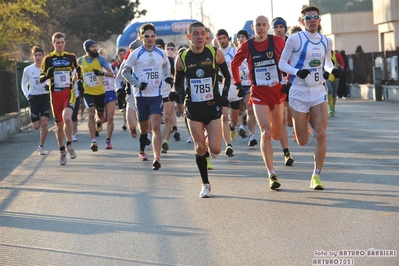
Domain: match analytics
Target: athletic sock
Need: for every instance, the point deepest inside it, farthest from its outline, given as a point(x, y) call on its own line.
point(143, 141)
point(202, 167)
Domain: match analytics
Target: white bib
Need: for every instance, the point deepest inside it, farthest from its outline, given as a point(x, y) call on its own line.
point(201, 89)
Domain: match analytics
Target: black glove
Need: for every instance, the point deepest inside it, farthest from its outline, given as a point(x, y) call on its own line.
point(120, 93)
point(286, 88)
point(143, 86)
point(336, 72)
point(47, 87)
point(98, 72)
point(225, 99)
point(240, 90)
point(81, 88)
point(50, 72)
point(220, 78)
point(326, 75)
point(303, 73)
point(169, 80)
point(173, 96)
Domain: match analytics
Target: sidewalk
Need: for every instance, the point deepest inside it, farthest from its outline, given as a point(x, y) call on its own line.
point(108, 208)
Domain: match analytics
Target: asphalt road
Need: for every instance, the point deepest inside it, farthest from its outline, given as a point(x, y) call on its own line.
point(108, 208)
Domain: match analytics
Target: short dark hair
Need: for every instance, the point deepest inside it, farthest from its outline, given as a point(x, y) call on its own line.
point(58, 35)
point(37, 49)
point(310, 8)
point(147, 26)
point(121, 50)
point(194, 25)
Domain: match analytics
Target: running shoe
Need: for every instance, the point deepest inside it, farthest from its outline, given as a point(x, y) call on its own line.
point(208, 163)
point(165, 147)
point(99, 125)
point(190, 139)
point(252, 141)
point(108, 145)
point(233, 134)
point(41, 150)
point(71, 152)
point(242, 133)
point(288, 160)
point(229, 151)
point(82, 117)
point(205, 191)
point(176, 136)
point(94, 146)
point(315, 182)
point(63, 159)
point(124, 127)
point(273, 181)
point(74, 138)
point(143, 156)
point(330, 110)
point(156, 164)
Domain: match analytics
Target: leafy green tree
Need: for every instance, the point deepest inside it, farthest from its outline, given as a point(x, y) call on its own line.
point(81, 20)
point(17, 27)
point(342, 6)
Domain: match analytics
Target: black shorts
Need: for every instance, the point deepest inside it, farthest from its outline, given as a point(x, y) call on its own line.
point(203, 114)
point(165, 100)
point(235, 105)
point(97, 101)
point(76, 109)
point(39, 106)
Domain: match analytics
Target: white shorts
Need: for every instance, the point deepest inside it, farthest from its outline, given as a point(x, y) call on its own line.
point(130, 103)
point(302, 98)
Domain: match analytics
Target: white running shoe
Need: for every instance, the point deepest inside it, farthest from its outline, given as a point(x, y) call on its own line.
point(190, 139)
point(63, 159)
point(41, 150)
point(205, 191)
point(71, 151)
point(74, 138)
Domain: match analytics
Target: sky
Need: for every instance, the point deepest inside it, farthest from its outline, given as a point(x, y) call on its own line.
point(222, 14)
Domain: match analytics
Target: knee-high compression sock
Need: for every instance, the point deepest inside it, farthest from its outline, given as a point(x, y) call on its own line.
point(202, 167)
point(143, 141)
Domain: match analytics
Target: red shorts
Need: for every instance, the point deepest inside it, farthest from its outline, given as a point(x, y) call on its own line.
point(61, 100)
point(269, 96)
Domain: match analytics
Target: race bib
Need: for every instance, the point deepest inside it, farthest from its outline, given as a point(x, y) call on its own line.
point(152, 76)
point(108, 83)
point(92, 80)
point(62, 79)
point(314, 78)
point(201, 90)
point(266, 76)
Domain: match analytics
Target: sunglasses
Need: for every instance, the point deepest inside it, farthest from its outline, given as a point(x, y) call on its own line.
point(171, 49)
point(309, 17)
point(149, 36)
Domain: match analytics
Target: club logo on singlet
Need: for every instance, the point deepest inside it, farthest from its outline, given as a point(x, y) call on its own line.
point(200, 73)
